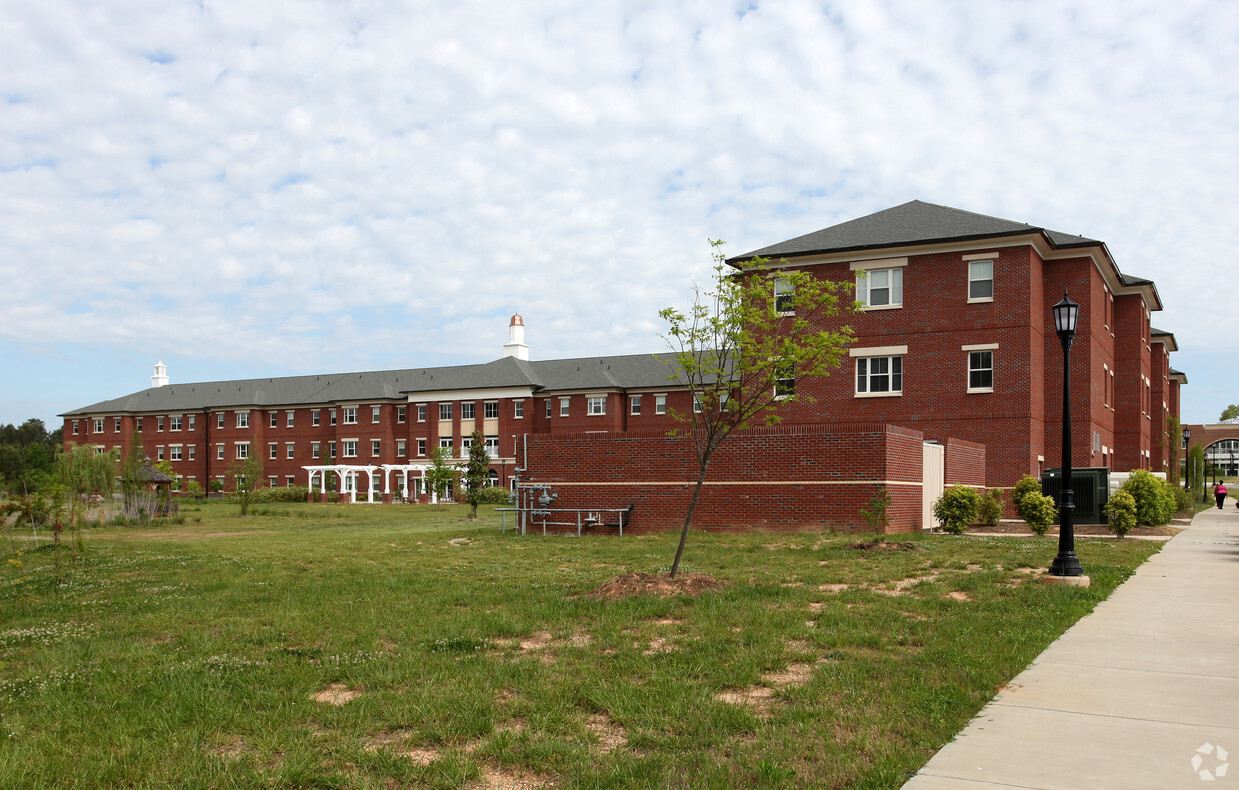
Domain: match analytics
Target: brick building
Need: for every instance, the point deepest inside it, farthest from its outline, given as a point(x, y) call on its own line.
point(955, 347)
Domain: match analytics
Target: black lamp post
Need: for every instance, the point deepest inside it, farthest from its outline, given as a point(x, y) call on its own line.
point(1066, 563)
point(1187, 474)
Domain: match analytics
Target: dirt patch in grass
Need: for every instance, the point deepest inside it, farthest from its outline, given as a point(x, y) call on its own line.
point(796, 674)
point(181, 534)
point(504, 778)
point(901, 587)
point(336, 694)
point(832, 588)
point(610, 735)
point(759, 698)
point(628, 585)
point(421, 755)
point(459, 542)
point(882, 545)
point(958, 596)
point(230, 747)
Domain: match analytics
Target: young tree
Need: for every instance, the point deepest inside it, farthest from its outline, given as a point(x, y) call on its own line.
point(1230, 412)
point(246, 474)
point(477, 472)
point(743, 348)
point(442, 473)
point(83, 473)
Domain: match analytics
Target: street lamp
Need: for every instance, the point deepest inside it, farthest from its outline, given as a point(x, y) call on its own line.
point(1066, 313)
point(1187, 474)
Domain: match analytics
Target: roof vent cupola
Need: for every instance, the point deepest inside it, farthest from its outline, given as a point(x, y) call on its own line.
point(515, 347)
point(160, 379)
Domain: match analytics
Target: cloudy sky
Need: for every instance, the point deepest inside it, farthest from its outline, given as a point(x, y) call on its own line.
point(270, 188)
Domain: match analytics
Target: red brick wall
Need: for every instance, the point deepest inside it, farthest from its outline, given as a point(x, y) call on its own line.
point(965, 463)
point(782, 477)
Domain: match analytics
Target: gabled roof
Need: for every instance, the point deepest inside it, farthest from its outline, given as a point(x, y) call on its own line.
point(915, 222)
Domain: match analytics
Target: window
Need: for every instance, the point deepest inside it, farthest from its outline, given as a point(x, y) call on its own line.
point(374, 448)
point(784, 380)
point(980, 281)
point(492, 446)
point(75, 426)
point(400, 413)
point(548, 407)
point(331, 449)
point(490, 410)
point(175, 452)
point(243, 450)
point(421, 412)
point(350, 415)
point(219, 420)
point(563, 407)
point(174, 423)
point(99, 448)
point(138, 423)
point(191, 452)
point(331, 416)
point(445, 443)
point(634, 404)
point(98, 425)
point(273, 451)
point(445, 411)
point(290, 449)
point(696, 403)
point(660, 404)
point(876, 375)
point(273, 420)
point(402, 448)
point(290, 481)
point(980, 371)
point(315, 419)
point(315, 449)
point(243, 419)
point(518, 410)
point(349, 448)
point(465, 443)
point(288, 419)
point(158, 424)
point(272, 481)
point(159, 453)
point(375, 411)
point(595, 405)
point(116, 424)
point(421, 447)
point(467, 411)
point(784, 296)
point(219, 452)
point(880, 287)
point(191, 422)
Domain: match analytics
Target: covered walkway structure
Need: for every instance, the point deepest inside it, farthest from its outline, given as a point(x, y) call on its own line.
point(379, 480)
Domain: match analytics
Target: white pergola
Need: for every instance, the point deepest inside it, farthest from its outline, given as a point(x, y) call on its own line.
point(347, 474)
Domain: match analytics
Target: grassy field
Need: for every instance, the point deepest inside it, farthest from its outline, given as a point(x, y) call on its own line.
point(318, 646)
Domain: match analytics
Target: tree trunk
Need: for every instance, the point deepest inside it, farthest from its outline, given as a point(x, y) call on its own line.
point(688, 517)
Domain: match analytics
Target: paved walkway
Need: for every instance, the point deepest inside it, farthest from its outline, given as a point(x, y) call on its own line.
point(1127, 696)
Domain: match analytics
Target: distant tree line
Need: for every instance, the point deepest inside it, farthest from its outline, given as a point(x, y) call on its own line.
point(28, 455)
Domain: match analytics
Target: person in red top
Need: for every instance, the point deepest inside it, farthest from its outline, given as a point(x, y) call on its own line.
point(1219, 493)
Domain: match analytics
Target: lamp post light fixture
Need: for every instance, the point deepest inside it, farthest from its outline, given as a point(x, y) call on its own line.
point(1066, 564)
point(1187, 474)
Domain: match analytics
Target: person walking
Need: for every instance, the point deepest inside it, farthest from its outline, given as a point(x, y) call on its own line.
point(1219, 493)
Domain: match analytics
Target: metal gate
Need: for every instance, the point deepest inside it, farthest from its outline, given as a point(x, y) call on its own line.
point(933, 481)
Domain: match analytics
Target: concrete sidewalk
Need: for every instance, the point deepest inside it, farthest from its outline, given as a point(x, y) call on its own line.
point(1131, 693)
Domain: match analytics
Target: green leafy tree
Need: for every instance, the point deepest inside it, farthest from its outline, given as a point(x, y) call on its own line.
point(246, 475)
point(84, 473)
point(744, 347)
point(1196, 472)
point(1171, 439)
point(877, 512)
point(1230, 412)
point(477, 472)
point(957, 508)
point(442, 472)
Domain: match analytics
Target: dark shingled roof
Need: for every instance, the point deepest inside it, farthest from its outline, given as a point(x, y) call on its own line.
point(601, 373)
point(915, 222)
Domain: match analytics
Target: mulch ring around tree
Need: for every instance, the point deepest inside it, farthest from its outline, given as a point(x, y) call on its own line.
point(882, 545)
point(660, 585)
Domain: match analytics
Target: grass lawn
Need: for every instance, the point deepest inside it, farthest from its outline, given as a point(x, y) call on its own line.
point(320, 646)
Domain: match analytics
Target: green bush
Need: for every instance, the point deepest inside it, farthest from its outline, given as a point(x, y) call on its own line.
point(494, 495)
point(957, 508)
point(1121, 512)
point(1025, 486)
point(1183, 500)
point(876, 513)
point(1155, 499)
point(991, 507)
point(278, 494)
point(1038, 511)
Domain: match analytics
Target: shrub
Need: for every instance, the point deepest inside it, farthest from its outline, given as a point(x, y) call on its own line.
point(1038, 511)
point(494, 495)
point(957, 508)
point(1121, 512)
point(1183, 500)
point(876, 512)
point(991, 507)
point(1025, 486)
point(1155, 500)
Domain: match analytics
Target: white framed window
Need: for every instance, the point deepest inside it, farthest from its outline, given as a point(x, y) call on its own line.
point(272, 481)
point(518, 410)
point(445, 443)
point(375, 412)
point(191, 452)
point(490, 410)
point(189, 427)
point(660, 404)
point(784, 296)
point(421, 448)
point(784, 380)
point(288, 419)
point(219, 420)
point(158, 424)
point(290, 449)
point(981, 281)
point(98, 425)
point(273, 451)
point(595, 405)
point(696, 404)
point(563, 406)
point(421, 412)
point(374, 448)
point(100, 449)
point(331, 449)
point(468, 411)
point(243, 450)
point(880, 288)
point(316, 417)
point(219, 452)
point(879, 375)
point(492, 445)
point(331, 416)
point(243, 419)
point(402, 448)
point(349, 448)
point(273, 420)
point(981, 371)
point(159, 453)
point(548, 407)
point(315, 450)
point(350, 415)
point(401, 413)
point(634, 404)
point(465, 443)
point(289, 481)
point(75, 428)
point(445, 411)
point(174, 423)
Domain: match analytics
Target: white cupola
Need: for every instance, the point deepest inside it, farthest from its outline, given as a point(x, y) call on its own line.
point(160, 379)
point(515, 347)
